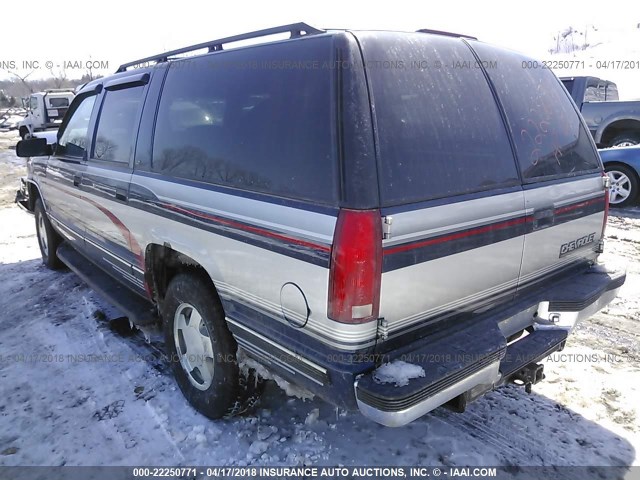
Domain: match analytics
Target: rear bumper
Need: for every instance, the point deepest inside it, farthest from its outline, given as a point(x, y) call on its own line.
point(466, 361)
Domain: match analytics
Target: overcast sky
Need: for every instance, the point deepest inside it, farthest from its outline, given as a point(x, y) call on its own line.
point(117, 31)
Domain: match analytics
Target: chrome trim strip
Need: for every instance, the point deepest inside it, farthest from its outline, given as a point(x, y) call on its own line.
point(70, 234)
point(270, 358)
point(340, 336)
point(279, 347)
point(104, 250)
point(434, 232)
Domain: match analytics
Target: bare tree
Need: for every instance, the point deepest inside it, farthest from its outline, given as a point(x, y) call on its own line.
point(59, 78)
point(23, 79)
point(90, 69)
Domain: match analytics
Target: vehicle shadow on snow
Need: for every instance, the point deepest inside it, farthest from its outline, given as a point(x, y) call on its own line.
point(628, 212)
point(505, 428)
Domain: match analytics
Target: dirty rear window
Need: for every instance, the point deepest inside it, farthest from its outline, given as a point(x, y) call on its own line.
point(439, 130)
point(549, 136)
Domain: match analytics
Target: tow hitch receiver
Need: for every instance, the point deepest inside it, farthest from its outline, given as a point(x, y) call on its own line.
point(529, 375)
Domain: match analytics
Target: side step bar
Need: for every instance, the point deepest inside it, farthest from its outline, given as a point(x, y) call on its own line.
point(138, 310)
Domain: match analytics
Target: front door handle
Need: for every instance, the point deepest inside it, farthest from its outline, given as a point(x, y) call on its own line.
point(77, 180)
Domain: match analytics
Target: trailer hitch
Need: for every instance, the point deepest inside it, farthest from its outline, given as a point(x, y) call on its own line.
point(529, 375)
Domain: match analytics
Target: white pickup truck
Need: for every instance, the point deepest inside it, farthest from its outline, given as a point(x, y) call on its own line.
point(45, 110)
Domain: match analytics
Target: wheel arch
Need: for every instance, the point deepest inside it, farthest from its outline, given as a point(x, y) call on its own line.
point(615, 126)
point(163, 263)
point(34, 195)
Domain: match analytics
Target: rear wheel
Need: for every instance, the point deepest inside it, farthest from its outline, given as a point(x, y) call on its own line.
point(48, 238)
point(201, 348)
point(626, 140)
point(624, 185)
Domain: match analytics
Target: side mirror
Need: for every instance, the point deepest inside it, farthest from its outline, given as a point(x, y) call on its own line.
point(33, 147)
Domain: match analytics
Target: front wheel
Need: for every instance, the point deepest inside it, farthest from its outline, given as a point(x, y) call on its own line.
point(48, 238)
point(201, 348)
point(624, 185)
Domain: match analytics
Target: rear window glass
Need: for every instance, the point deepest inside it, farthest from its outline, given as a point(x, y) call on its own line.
point(440, 132)
point(550, 138)
point(259, 119)
point(59, 102)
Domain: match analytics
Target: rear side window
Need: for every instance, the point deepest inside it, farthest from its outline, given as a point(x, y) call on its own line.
point(440, 132)
point(549, 136)
point(116, 130)
point(258, 119)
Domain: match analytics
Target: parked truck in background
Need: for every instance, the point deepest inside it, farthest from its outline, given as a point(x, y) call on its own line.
point(45, 110)
point(613, 123)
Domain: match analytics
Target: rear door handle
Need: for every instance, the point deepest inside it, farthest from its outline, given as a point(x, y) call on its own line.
point(543, 218)
point(77, 180)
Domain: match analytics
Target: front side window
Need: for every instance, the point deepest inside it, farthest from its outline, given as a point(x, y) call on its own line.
point(116, 132)
point(73, 140)
point(33, 103)
point(549, 136)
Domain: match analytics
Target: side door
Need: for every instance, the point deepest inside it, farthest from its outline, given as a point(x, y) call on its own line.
point(36, 105)
point(106, 180)
point(61, 184)
point(565, 198)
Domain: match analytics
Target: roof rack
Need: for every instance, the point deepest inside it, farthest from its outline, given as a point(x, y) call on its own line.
point(58, 90)
point(448, 34)
point(295, 29)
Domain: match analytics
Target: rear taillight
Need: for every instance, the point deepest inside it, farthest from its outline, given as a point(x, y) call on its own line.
point(606, 203)
point(356, 267)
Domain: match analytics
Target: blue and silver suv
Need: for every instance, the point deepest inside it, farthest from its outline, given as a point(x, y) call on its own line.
point(330, 204)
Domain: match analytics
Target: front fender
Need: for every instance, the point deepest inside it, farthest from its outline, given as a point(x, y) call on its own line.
point(32, 188)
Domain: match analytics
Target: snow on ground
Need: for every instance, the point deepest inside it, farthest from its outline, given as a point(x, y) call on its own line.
point(78, 389)
point(11, 167)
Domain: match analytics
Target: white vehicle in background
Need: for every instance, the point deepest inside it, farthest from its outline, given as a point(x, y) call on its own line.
point(45, 110)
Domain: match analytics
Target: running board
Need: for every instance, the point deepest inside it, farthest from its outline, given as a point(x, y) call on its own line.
point(138, 310)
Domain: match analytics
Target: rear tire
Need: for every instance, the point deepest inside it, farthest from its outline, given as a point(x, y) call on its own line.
point(624, 185)
point(201, 349)
point(48, 238)
point(625, 140)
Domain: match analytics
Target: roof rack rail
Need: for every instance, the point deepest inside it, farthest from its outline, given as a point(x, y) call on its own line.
point(295, 29)
point(58, 90)
point(448, 34)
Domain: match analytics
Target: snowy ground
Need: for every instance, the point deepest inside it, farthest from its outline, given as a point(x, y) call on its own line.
point(118, 405)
